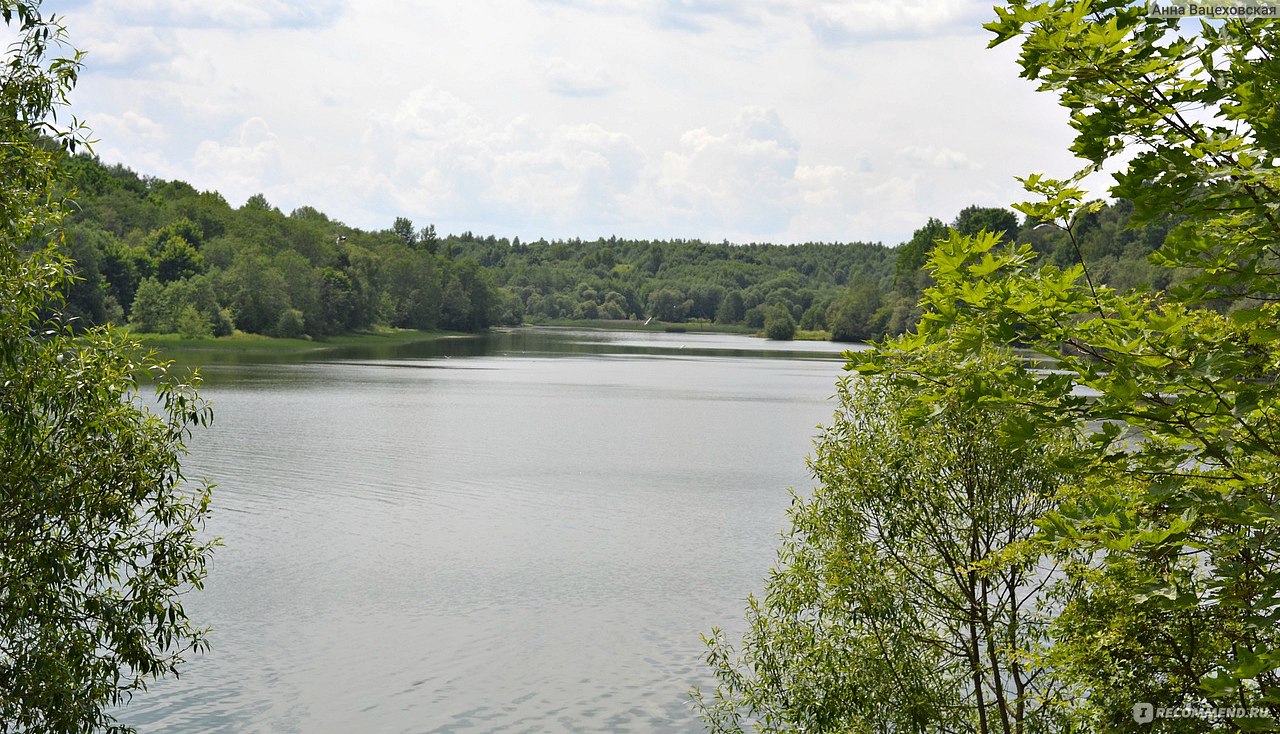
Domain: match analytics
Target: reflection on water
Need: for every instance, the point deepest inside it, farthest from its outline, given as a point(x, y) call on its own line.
point(545, 341)
point(521, 532)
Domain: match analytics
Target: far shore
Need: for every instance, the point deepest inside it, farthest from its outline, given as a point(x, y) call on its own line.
point(240, 344)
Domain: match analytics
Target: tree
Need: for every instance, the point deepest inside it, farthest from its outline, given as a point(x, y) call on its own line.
point(258, 293)
point(99, 532)
point(852, 316)
point(152, 309)
point(814, 318)
point(730, 310)
point(290, 325)
point(403, 229)
point(911, 256)
point(778, 324)
point(177, 259)
point(909, 595)
point(997, 220)
point(427, 237)
point(193, 324)
point(668, 304)
point(1175, 523)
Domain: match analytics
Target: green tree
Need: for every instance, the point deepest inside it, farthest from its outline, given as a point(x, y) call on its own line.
point(668, 304)
point(290, 324)
point(778, 324)
point(177, 259)
point(403, 229)
point(193, 324)
point(908, 595)
point(852, 317)
point(257, 293)
point(151, 308)
point(913, 255)
point(1177, 513)
point(730, 310)
point(428, 239)
point(974, 219)
point(99, 531)
point(336, 303)
point(814, 318)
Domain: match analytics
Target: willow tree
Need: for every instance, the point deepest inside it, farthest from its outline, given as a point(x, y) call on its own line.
point(909, 595)
point(99, 532)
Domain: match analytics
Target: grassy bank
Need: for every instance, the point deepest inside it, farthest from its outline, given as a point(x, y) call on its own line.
point(242, 347)
point(176, 346)
point(819, 335)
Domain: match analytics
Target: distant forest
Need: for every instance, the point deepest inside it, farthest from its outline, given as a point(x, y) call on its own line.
point(164, 257)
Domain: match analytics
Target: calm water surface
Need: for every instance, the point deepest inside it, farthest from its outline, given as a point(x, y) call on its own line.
point(522, 532)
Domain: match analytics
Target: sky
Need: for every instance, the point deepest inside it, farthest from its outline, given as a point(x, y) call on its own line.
point(743, 120)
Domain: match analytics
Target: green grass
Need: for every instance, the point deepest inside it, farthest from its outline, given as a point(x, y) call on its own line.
point(243, 343)
point(819, 335)
point(256, 347)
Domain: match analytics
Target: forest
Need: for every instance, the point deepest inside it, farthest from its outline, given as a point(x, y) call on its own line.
point(163, 257)
point(991, 546)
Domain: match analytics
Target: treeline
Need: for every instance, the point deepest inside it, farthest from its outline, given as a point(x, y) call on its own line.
point(165, 257)
point(809, 285)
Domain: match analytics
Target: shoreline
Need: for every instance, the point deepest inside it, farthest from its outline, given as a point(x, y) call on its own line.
point(246, 347)
point(243, 347)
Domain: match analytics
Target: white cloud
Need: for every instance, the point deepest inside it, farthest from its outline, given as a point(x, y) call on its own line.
point(697, 15)
point(581, 172)
point(131, 126)
point(742, 179)
point(444, 158)
point(123, 47)
point(938, 157)
point(243, 165)
point(227, 13)
point(836, 22)
point(789, 120)
point(571, 80)
point(870, 20)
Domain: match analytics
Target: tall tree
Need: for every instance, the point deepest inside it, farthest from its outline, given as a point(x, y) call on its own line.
point(98, 529)
point(911, 256)
point(403, 229)
point(974, 219)
point(1177, 515)
point(909, 595)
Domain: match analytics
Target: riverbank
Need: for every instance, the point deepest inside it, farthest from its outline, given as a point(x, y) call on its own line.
point(242, 347)
point(691, 327)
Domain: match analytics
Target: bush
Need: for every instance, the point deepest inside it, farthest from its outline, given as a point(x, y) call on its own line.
point(192, 324)
point(779, 325)
point(290, 325)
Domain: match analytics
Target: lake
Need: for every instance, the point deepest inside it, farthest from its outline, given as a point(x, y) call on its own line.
point(520, 532)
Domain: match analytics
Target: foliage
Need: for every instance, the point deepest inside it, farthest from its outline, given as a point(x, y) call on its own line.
point(260, 263)
point(908, 595)
point(779, 325)
point(254, 266)
point(98, 529)
point(852, 318)
point(1175, 527)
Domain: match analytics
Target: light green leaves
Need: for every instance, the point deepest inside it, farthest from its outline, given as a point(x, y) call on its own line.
point(100, 535)
point(912, 593)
